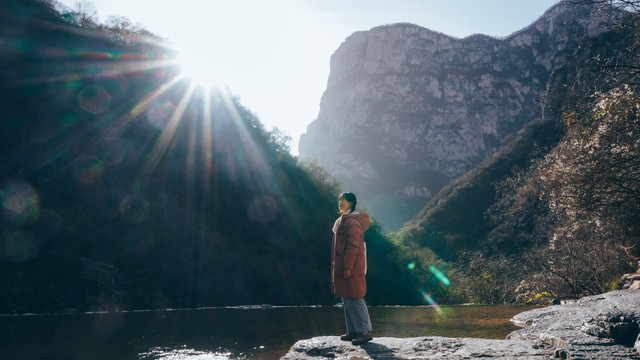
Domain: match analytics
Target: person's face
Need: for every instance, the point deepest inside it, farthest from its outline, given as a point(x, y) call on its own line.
point(344, 205)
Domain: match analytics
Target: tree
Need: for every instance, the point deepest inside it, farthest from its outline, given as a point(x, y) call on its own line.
point(613, 65)
point(596, 169)
point(628, 5)
point(577, 207)
point(487, 280)
point(123, 30)
point(83, 14)
point(519, 215)
point(581, 259)
point(587, 190)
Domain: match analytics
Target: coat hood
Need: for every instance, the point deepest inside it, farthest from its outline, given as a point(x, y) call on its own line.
point(363, 219)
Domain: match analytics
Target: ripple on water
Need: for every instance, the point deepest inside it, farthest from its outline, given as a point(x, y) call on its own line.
point(185, 354)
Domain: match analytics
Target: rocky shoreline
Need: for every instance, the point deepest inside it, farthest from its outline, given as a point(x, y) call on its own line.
point(597, 327)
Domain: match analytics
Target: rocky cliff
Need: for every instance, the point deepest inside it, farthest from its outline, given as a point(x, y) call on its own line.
point(407, 109)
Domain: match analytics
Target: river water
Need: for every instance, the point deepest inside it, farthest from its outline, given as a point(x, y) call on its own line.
point(228, 333)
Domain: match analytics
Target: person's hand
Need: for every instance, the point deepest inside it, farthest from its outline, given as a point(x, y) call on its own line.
point(346, 273)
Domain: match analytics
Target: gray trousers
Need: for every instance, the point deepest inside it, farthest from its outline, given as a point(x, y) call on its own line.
point(356, 316)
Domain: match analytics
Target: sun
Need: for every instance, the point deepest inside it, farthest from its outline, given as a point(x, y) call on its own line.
point(200, 67)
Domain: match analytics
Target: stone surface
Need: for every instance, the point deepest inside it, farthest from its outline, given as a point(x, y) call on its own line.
point(433, 347)
point(631, 281)
point(596, 327)
point(406, 109)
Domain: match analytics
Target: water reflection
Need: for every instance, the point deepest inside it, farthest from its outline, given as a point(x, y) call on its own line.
point(183, 354)
point(257, 333)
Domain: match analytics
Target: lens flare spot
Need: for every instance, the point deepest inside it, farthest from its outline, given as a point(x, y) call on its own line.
point(94, 100)
point(116, 85)
point(135, 209)
point(112, 201)
point(20, 204)
point(160, 113)
point(73, 82)
point(440, 276)
point(429, 300)
point(91, 173)
point(411, 266)
point(115, 155)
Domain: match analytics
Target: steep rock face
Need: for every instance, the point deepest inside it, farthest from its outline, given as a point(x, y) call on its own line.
point(407, 109)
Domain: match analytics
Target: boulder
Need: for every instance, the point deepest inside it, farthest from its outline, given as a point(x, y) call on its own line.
point(432, 347)
point(631, 281)
point(596, 327)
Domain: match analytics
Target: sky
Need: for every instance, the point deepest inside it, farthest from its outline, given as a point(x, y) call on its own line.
point(274, 54)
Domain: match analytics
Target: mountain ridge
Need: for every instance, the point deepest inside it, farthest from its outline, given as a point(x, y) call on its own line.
point(407, 109)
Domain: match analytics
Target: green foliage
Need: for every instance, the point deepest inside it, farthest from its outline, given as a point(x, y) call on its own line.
point(389, 281)
point(487, 280)
point(589, 185)
point(579, 200)
point(108, 202)
point(117, 28)
point(456, 219)
point(429, 273)
point(124, 190)
point(543, 297)
point(553, 213)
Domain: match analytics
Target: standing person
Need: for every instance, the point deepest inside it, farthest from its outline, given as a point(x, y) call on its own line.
point(348, 268)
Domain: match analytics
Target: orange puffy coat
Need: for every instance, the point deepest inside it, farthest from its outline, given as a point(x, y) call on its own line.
point(348, 252)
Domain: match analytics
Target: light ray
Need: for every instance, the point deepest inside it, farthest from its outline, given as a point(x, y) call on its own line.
point(163, 141)
point(114, 128)
point(248, 161)
point(190, 163)
point(106, 69)
point(207, 141)
point(114, 62)
point(143, 105)
point(262, 174)
point(256, 159)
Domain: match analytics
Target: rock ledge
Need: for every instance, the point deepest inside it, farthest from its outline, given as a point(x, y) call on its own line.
point(597, 327)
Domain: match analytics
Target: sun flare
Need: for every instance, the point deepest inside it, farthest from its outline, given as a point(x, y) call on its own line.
point(200, 68)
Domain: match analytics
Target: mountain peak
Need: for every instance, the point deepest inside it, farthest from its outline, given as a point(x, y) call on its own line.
point(407, 109)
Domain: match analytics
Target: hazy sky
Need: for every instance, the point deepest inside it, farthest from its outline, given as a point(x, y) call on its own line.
point(274, 54)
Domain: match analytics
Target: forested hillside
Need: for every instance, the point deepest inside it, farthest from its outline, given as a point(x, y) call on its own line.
point(125, 186)
point(554, 213)
point(411, 109)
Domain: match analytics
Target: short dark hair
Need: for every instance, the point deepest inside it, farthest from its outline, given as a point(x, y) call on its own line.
point(350, 197)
